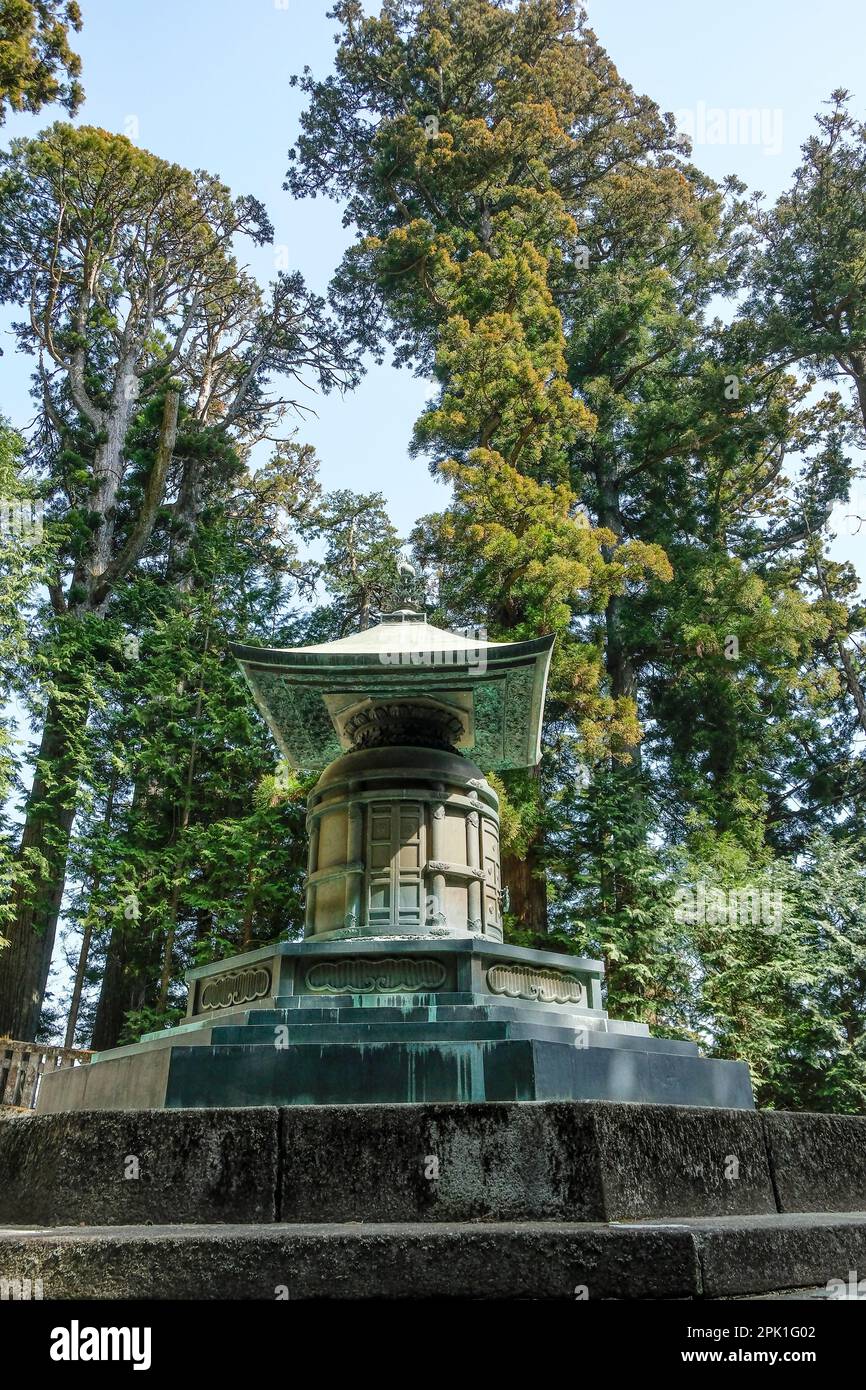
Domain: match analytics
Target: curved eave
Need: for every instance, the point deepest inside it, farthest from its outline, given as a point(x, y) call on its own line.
point(282, 660)
point(509, 681)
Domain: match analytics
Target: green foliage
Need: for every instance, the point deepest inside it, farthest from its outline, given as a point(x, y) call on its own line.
point(159, 363)
point(809, 274)
point(35, 55)
point(360, 565)
point(202, 852)
point(786, 993)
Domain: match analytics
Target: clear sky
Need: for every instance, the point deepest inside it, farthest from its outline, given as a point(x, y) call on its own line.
point(206, 83)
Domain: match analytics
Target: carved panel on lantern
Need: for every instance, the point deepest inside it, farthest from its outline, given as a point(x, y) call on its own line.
point(529, 982)
point(331, 851)
point(239, 987)
point(395, 864)
point(492, 882)
point(404, 976)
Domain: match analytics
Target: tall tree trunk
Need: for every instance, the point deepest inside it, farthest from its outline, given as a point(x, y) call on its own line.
point(618, 659)
point(132, 964)
point(123, 971)
point(111, 1005)
point(25, 963)
point(78, 986)
point(852, 680)
point(527, 888)
point(178, 839)
point(618, 892)
point(87, 934)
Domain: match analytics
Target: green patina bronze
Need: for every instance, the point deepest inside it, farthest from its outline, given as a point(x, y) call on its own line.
point(403, 989)
point(497, 688)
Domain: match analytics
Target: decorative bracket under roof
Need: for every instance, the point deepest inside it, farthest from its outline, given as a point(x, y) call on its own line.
point(496, 689)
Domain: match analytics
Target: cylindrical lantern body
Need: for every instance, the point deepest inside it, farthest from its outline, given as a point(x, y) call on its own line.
point(404, 841)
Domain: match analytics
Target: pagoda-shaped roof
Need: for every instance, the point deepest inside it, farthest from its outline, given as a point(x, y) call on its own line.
point(496, 688)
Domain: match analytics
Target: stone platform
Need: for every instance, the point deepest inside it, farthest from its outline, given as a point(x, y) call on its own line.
point(424, 1201)
point(398, 1019)
point(723, 1258)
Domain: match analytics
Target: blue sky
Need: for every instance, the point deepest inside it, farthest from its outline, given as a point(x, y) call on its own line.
point(206, 83)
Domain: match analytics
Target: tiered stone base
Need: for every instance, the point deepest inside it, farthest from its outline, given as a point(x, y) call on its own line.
point(555, 1201)
point(360, 1021)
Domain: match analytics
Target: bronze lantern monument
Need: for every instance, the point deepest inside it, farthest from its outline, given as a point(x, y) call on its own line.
point(402, 989)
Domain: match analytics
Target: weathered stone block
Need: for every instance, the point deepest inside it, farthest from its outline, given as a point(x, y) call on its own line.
point(818, 1161)
point(755, 1254)
point(678, 1160)
point(557, 1161)
point(440, 1163)
point(531, 1260)
point(564, 1161)
point(194, 1165)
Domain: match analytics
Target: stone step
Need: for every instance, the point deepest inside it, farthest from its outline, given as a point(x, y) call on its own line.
point(330, 1012)
point(442, 1006)
point(553, 1161)
point(373, 1001)
point(478, 1011)
point(316, 1034)
point(313, 1033)
point(680, 1259)
point(386, 1008)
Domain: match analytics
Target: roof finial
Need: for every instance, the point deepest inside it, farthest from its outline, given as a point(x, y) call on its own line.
point(405, 602)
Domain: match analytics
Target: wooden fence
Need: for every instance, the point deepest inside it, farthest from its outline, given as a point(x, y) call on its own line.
point(22, 1065)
